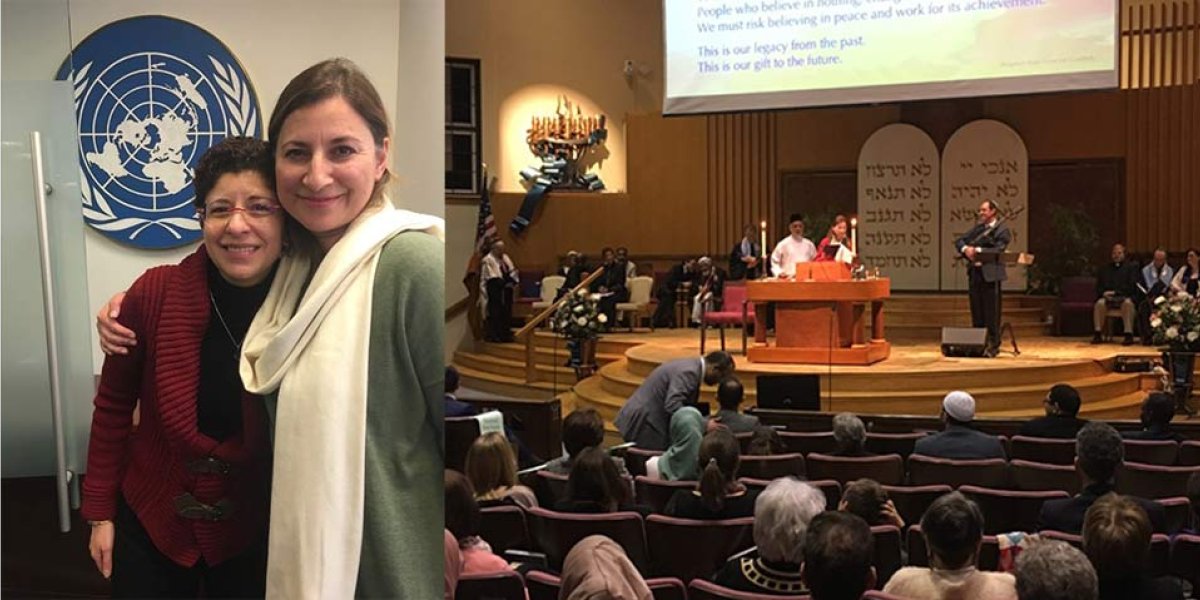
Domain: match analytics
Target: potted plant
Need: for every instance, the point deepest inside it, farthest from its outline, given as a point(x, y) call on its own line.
point(579, 320)
point(1175, 323)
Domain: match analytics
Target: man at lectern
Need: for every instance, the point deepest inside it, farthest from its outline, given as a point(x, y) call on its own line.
point(981, 246)
point(795, 248)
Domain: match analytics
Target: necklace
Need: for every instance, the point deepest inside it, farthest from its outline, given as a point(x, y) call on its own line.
point(236, 344)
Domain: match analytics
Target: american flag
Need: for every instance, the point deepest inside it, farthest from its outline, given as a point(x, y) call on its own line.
point(485, 228)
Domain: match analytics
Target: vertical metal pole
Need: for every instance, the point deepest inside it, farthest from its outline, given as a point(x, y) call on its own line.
point(60, 447)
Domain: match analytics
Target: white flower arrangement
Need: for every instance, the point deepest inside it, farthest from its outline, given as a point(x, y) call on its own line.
point(1176, 322)
point(579, 317)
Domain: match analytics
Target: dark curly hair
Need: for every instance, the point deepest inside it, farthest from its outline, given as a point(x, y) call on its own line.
point(232, 155)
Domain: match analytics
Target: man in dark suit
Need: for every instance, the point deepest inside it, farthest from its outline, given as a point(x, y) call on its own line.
point(454, 406)
point(1158, 408)
point(682, 272)
point(611, 286)
point(958, 440)
point(646, 416)
point(729, 397)
point(745, 260)
point(1098, 455)
point(980, 246)
point(1062, 404)
point(1116, 287)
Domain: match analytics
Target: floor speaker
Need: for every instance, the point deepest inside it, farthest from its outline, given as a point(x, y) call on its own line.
point(964, 341)
point(789, 392)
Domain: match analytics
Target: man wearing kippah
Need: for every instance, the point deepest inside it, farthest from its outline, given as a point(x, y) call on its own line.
point(959, 440)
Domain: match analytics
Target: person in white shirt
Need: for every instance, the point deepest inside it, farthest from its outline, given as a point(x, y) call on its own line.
point(498, 277)
point(1156, 281)
point(792, 249)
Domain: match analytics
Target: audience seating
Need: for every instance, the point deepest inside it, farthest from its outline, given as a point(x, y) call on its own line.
point(638, 306)
point(927, 470)
point(557, 532)
point(887, 559)
point(1179, 513)
point(1042, 450)
point(829, 487)
point(550, 488)
point(545, 586)
point(918, 551)
point(1153, 481)
point(655, 493)
point(550, 285)
point(500, 585)
point(635, 459)
point(1189, 453)
point(504, 528)
point(734, 311)
point(1185, 558)
point(911, 501)
point(460, 434)
point(887, 469)
point(892, 443)
point(1152, 452)
point(700, 589)
point(1036, 477)
point(1006, 510)
point(708, 544)
point(1160, 549)
point(808, 441)
point(771, 467)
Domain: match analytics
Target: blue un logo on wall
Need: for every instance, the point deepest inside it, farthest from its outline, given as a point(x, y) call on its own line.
point(152, 94)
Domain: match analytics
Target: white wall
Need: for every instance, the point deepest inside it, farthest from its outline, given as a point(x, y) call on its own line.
point(391, 40)
point(460, 245)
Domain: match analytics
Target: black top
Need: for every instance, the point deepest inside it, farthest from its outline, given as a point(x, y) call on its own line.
point(751, 573)
point(686, 504)
point(1143, 588)
point(1154, 432)
point(590, 507)
point(1066, 514)
point(219, 398)
point(959, 442)
point(1121, 278)
point(1057, 426)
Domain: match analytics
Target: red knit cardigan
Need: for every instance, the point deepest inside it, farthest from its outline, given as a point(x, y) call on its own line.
point(168, 308)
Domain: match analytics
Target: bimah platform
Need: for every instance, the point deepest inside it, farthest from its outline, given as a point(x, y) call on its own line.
point(820, 317)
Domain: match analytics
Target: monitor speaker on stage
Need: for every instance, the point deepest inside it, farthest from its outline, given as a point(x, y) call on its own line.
point(964, 341)
point(789, 392)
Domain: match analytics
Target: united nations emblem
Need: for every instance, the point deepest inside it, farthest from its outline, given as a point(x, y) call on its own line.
point(151, 95)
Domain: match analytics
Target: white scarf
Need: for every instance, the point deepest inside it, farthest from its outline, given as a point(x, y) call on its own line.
point(313, 350)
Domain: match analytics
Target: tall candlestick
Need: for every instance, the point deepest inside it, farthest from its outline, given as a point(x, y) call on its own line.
point(854, 235)
point(763, 247)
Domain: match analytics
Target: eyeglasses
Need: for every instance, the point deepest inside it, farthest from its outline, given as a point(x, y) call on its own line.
point(224, 212)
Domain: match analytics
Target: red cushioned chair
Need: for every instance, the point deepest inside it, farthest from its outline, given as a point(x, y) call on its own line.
point(773, 466)
point(829, 487)
point(460, 434)
point(1179, 513)
point(1153, 481)
point(1043, 450)
point(552, 487)
point(1076, 298)
point(503, 527)
point(501, 585)
point(927, 470)
point(1152, 452)
point(806, 442)
point(635, 459)
point(1185, 558)
point(887, 553)
point(687, 548)
point(1189, 453)
point(1033, 477)
point(544, 586)
point(912, 501)
point(735, 310)
point(887, 469)
point(700, 589)
point(556, 533)
point(892, 443)
point(1007, 510)
point(655, 493)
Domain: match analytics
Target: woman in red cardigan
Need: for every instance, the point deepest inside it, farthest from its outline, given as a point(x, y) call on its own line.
point(179, 503)
point(837, 236)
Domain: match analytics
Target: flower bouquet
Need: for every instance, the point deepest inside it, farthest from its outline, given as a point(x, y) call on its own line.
point(579, 320)
point(1175, 322)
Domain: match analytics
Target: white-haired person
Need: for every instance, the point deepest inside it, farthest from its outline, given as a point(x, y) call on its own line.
point(850, 435)
point(781, 517)
point(709, 287)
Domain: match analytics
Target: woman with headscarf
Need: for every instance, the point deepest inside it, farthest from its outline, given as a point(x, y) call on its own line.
point(678, 463)
point(597, 568)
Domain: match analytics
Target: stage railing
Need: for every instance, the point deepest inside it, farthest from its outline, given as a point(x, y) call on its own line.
point(525, 333)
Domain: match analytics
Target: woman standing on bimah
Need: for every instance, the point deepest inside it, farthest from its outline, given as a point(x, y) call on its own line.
point(989, 236)
point(499, 277)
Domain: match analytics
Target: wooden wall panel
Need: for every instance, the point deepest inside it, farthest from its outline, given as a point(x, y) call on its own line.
point(742, 181)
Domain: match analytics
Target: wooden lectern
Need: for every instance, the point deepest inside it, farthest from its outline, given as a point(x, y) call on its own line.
point(820, 317)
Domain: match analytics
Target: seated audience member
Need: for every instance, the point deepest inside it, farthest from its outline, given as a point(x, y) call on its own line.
point(1187, 278)
point(850, 436)
point(575, 274)
point(1157, 410)
point(708, 290)
point(1155, 283)
point(612, 287)
point(1061, 404)
point(1098, 455)
point(953, 529)
point(454, 406)
point(1054, 570)
point(628, 266)
point(959, 441)
point(729, 397)
point(765, 441)
point(678, 462)
point(597, 568)
point(492, 470)
point(1116, 287)
point(568, 261)
point(745, 260)
point(452, 566)
point(718, 495)
point(681, 273)
point(581, 429)
point(838, 551)
point(781, 517)
point(1116, 538)
point(595, 486)
point(868, 500)
point(462, 519)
